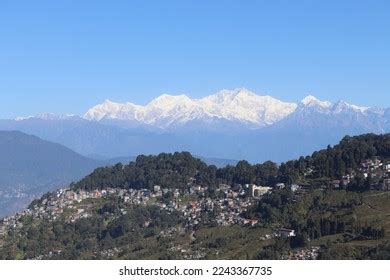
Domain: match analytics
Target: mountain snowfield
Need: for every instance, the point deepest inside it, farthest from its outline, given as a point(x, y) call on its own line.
point(238, 105)
point(327, 107)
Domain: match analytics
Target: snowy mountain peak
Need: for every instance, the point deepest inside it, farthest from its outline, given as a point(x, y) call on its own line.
point(242, 105)
point(226, 95)
point(343, 106)
point(50, 117)
point(310, 100)
point(112, 110)
point(237, 92)
point(166, 100)
point(238, 105)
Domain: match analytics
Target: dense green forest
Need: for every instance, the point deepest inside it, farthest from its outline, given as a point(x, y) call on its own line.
point(174, 170)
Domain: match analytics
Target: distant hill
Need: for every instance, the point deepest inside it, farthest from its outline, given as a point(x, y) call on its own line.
point(218, 162)
point(30, 166)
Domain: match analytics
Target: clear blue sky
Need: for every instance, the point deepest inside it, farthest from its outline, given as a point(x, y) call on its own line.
point(66, 56)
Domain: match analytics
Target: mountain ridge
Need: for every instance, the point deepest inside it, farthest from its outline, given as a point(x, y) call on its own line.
point(240, 106)
point(229, 124)
point(30, 166)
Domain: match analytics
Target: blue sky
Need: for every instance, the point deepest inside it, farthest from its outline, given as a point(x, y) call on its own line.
point(66, 56)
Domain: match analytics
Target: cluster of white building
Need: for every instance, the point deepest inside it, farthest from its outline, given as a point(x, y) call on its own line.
point(226, 209)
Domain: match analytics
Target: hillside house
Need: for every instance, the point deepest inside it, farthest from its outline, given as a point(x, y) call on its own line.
point(336, 184)
point(258, 191)
point(295, 187)
point(284, 232)
point(370, 165)
point(280, 186)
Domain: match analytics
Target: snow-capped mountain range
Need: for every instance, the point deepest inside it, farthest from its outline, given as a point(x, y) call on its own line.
point(231, 124)
point(238, 105)
point(312, 103)
point(49, 117)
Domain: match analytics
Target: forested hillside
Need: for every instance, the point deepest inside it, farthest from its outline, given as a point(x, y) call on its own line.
point(174, 170)
point(174, 206)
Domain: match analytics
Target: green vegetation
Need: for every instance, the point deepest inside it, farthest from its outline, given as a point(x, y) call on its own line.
point(175, 170)
point(333, 220)
point(343, 223)
point(88, 238)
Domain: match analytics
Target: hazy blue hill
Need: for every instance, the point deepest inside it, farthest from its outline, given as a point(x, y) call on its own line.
point(218, 162)
point(301, 133)
point(30, 166)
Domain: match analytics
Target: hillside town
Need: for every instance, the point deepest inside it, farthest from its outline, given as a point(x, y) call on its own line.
point(192, 203)
point(226, 207)
point(376, 171)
